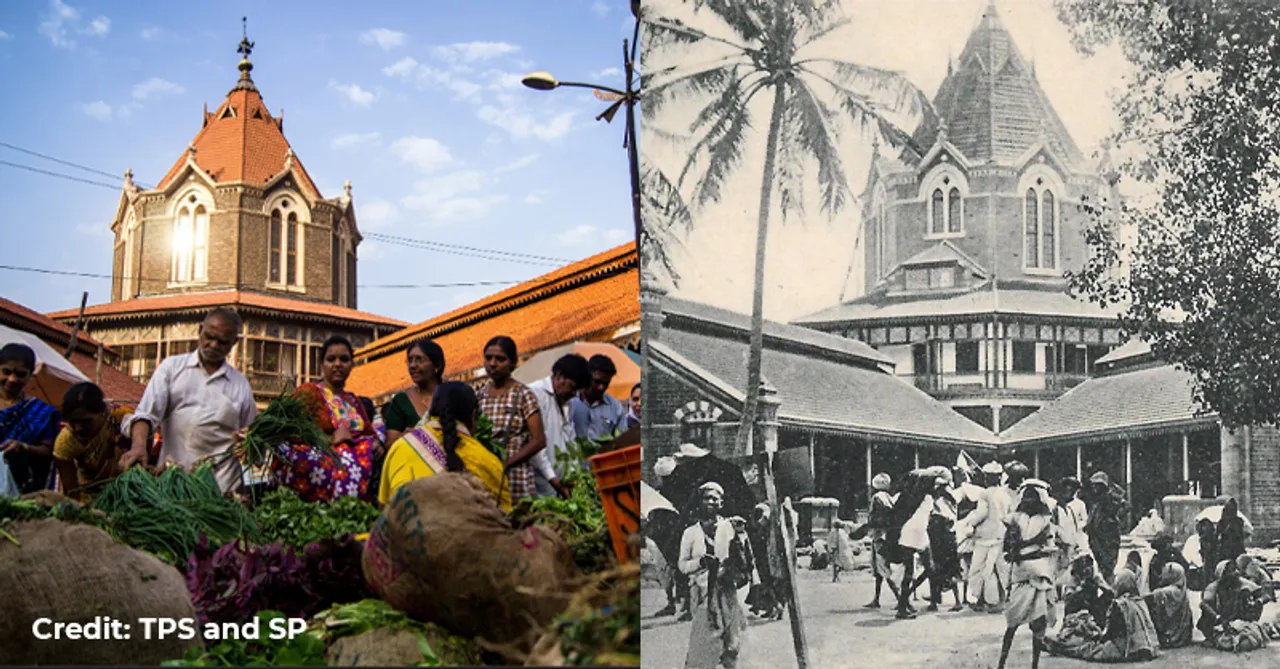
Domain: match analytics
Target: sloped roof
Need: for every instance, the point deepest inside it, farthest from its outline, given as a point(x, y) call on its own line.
point(706, 316)
point(238, 299)
point(1107, 407)
point(620, 259)
point(1134, 348)
point(115, 384)
point(993, 106)
point(241, 141)
point(588, 300)
point(977, 302)
point(820, 391)
point(939, 253)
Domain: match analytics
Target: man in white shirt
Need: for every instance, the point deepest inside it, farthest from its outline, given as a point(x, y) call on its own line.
point(988, 528)
point(199, 402)
point(568, 376)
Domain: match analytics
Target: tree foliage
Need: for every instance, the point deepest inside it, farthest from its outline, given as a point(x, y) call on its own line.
point(1200, 282)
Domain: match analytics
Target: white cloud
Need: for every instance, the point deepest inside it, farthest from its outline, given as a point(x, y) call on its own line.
point(426, 154)
point(517, 164)
point(153, 33)
point(155, 86)
point(55, 25)
point(607, 73)
point(470, 52)
point(371, 250)
point(5, 35)
point(585, 234)
point(358, 96)
point(377, 214)
point(522, 124)
point(99, 110)
point(383, 37)
point(534, 198)
point(99, 26)
point(499, 80)
point(460, 196)
point(352, 140)
point(403, 68)
point(600, 8)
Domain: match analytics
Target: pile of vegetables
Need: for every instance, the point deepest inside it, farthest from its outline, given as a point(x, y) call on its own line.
point(168, 515)
point(601, 627)
point(484, 435)
point(282, 516)
point(288, 418)
point(579, 519)
point(304, 650)
point(438, 646)
point(20, 510)
point(228, 584)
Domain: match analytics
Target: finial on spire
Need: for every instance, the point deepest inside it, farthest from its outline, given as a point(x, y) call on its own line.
point(128, 178)
point(245, 48)
point(942, 130)
point(191, 150)
point(346, 188)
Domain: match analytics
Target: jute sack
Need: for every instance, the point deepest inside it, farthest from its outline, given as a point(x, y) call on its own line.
point(73, 573)
point(443, 552)
point(384, 647)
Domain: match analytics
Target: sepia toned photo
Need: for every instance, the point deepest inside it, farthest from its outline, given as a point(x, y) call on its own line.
point(958, 326)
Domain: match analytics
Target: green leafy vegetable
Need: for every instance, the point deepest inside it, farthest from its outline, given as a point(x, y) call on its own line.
point(349, 620)
point(305, 650)
point(579, 519)
point(287, 418)
point(484, 435)
point(282, 516)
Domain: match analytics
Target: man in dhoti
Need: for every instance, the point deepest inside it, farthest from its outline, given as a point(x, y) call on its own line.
point(988, 527)
point(199, 402)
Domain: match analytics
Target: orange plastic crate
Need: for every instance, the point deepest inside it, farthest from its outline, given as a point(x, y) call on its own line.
point(618, 479)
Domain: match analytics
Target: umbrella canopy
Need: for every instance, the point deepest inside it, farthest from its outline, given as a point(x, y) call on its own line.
point(53, 376)
point(651, 499)
point(539, 366)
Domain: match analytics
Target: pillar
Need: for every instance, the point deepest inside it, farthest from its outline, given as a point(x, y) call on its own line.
point(813, 445)
point(767, 418)
point(651, 319)
point(870, 473)
point(915, 453)
point(1036, 462)
point(1128, 478)
point(1079, 463)
point(1186, 457)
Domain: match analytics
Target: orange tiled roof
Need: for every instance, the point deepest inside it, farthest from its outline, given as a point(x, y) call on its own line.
point(228, 298)
point(38, 324)
point(515, 297)
point(248, 145)
point(115, 384)
point(572, 304)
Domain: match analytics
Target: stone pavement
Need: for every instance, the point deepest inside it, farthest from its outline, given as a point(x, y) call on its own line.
point(843, 634)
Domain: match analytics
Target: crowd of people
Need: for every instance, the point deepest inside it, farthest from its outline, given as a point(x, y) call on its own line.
point(1011, 547)
point(202, 407)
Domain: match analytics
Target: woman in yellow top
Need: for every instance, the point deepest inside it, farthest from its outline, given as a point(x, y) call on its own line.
point(89, 447)
point(442, 442)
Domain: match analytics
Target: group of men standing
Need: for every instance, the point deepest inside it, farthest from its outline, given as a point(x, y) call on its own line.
point(1089, 521)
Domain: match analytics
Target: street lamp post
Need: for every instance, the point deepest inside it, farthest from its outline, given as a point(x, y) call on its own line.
point(544, 81)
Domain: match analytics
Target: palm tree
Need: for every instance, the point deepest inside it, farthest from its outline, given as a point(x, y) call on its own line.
point(666, 219)
point(811, 97)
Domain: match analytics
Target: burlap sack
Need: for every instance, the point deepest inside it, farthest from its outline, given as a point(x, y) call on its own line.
point(48, 498)
point(443, 552)
point(73, 573)
point(399, 648)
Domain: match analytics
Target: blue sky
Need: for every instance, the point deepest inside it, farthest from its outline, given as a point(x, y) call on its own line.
point(418, 104)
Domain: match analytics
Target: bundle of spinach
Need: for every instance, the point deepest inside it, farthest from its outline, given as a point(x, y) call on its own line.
point(288, 418)
point(484, 435)
point(19, 510)
point(579, 519)
point(601, 626)
point(282, 516)
point(304, 650)
point(228, 584)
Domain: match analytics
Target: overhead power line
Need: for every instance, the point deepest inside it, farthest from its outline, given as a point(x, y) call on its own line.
point(229, 286)
point(68, 163)
point(59, 175)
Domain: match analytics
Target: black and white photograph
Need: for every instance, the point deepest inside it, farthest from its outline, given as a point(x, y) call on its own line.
point(959, 333)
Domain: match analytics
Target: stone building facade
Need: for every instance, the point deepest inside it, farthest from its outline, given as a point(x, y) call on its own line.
point(238, 222)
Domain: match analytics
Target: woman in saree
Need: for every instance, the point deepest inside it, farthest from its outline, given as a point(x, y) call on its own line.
point(1169, 607)
point(1128, 636)
point(426, 369)
point(514, 411)
point(719, 622)
point(1030, 546)
point(1230, 610)
point(28, 426)
point(443, 443)
point(317, 476)
point(88, 450)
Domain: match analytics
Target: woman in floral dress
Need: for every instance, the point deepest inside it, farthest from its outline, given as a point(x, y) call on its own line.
point(316, 476)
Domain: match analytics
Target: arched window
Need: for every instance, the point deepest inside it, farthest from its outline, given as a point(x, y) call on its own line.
point(200, 245)
point(1031, 213)
point(1040, 225)
point(183, 246)
point(277, 233)
point(937, 223)
point(954, 220)
point(291, 254)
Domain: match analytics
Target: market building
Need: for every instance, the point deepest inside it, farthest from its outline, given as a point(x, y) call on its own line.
point(966, 305)
point(596, 299)
point(236, 222)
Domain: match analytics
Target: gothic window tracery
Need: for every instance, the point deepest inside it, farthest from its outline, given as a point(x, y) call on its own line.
point(1040, 225)
point(190, 254)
